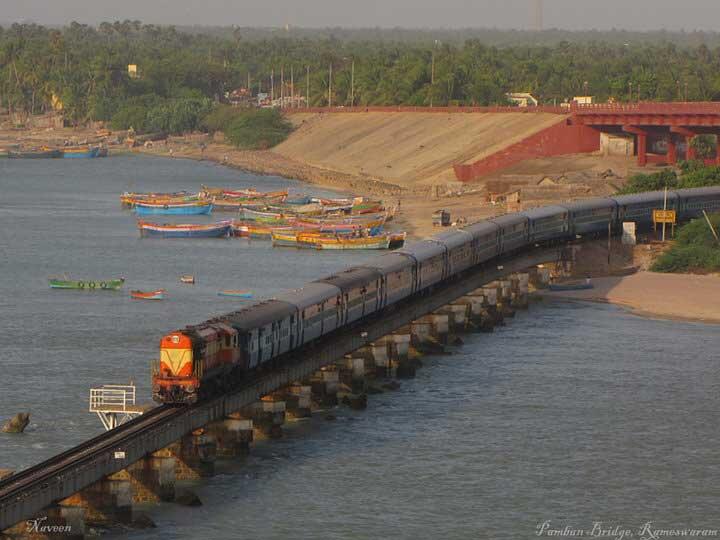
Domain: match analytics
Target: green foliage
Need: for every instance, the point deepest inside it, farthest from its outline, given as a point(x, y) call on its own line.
point(258, 129)
point(87, 66)
point(151, 114)
point(695, 249)
point(651, 182)
point(704, 146)
point(219, 118)
point(693, 174)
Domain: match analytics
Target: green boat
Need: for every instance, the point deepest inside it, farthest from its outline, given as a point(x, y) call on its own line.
point(90, 285)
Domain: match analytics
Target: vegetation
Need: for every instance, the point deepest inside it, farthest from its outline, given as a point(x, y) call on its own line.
point(86, 68)
point(693, 174)
point(257, 129)
point(695, 249)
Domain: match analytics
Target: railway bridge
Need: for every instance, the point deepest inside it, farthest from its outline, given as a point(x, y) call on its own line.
point(98, 480)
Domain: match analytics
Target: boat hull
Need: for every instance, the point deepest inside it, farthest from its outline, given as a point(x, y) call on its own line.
point(35, 155)
point(155, 295)
point(173, 210)
point(92, 285)
point(84, 153)
point(152, 230)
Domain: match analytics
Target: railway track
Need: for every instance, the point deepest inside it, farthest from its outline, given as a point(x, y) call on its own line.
point(11, 486)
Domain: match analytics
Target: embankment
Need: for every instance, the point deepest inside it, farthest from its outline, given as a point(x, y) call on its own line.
point(410, 149)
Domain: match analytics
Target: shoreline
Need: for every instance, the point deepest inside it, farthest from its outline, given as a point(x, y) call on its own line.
point(675, 297)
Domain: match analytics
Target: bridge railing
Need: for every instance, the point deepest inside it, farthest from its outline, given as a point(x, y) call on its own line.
point(112, 398)
point(673, 108)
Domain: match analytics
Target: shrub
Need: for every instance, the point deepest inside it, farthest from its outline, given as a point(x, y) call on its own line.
point(695, 249)
point(258, 129)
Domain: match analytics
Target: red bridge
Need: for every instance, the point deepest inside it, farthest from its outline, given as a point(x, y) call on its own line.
point(662, 133)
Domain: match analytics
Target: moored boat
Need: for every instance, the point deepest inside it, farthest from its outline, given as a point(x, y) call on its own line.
point(89, 285)
point(347, 242)
point(236, 294)
point(152, 295)
point(34, 154)
point(177, 209)
point(185, 230)
point(187, 279)
point(81, 152)
point(571, 286)
point(131, 199)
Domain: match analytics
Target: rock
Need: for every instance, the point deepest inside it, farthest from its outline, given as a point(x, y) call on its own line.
point(391, 385)
point(330, 417)
point(188, 498)
point(17, 424)
point(143, 521)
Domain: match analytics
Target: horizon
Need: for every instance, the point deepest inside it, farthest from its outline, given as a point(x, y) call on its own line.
point(559, 15)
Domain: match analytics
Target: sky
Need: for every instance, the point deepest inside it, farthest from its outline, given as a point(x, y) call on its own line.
point(566, 14)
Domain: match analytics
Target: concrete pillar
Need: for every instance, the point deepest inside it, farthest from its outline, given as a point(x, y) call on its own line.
point(439, 326)
point(520, 289)
point(53, 523)
point(107, 502)
point(505, 298)
point(491, 294)
point(642, 149)
point(353, 373)
point(298, 401)
point(540, 277)
point(672, 150)
point(691, 154)
point(153, 477)
point(376, 357)
point(232, 435)
point(268, 416)
point(324, 386)
point(195, 455)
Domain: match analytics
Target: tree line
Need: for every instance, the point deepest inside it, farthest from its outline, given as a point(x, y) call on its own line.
point(183, 74)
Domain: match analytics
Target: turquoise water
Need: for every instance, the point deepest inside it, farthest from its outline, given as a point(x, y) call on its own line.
point(573, 413)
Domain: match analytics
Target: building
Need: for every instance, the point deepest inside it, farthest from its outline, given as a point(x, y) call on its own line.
point(132, 71)
point(522, 99)
point(583, 100)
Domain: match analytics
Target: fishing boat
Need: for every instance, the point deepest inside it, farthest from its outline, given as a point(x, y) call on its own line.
point(131, 199)
point(153, 295)
point(397, 240)
point(175, 209)
point(187, 279)
point(256, 230)
point(81, 152)
point(35, 154)
point(88, 285)
point(236, 294)
point(185, 230)
point(346, 242)
point(572, 286)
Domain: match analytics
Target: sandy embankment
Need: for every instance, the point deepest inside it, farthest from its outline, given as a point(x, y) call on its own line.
point(674, 296)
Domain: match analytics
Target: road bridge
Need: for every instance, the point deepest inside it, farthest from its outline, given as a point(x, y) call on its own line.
point(28, 492)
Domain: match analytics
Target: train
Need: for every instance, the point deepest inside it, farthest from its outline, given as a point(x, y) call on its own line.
point(202, 360)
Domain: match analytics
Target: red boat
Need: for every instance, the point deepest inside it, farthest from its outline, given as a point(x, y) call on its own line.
point(153, 295)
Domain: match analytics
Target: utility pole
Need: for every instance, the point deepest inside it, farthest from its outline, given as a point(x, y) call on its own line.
point(686, 91)
point(432, 76)
point(307, 84)
point(712, 229)
point(282, 86)
point(664, 210)
point(292, 87)
point(330, 87)
point(538, 15)
point(352, 84)
point(248, 85)
point(272, 86)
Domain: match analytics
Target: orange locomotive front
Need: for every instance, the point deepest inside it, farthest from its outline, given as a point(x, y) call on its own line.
point(193, 362)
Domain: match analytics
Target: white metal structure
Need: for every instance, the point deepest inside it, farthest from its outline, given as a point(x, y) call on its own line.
point(114, 404)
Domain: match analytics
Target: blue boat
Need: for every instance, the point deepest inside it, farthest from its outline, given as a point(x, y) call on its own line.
point(82, 152)
point(236, 294)
point(173, 209)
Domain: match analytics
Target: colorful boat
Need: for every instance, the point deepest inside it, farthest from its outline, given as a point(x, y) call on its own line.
point(185, 230)
point(174, 209)
point(236, 294)
point(131, 199)
point(347, 242)
point(187, 279)
point(153, 295)
point(88, 285)
point(34, 154)
point(81, 152)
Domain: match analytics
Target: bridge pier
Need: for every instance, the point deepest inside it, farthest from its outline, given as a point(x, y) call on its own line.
point(376, 357)
point(54, 523)
point(504, 294)
point(268, 416)
point(106, 502)
point(540, 277)
point(195, 455)
point(233, 435)
point(439, 326)
point(520, 290)
point(479, 319)
point(324, 386)
point(298, 401)
point(152, 478)
point(353, 373)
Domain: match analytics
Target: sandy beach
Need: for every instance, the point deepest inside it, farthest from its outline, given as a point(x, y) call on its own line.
point(672, 296)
